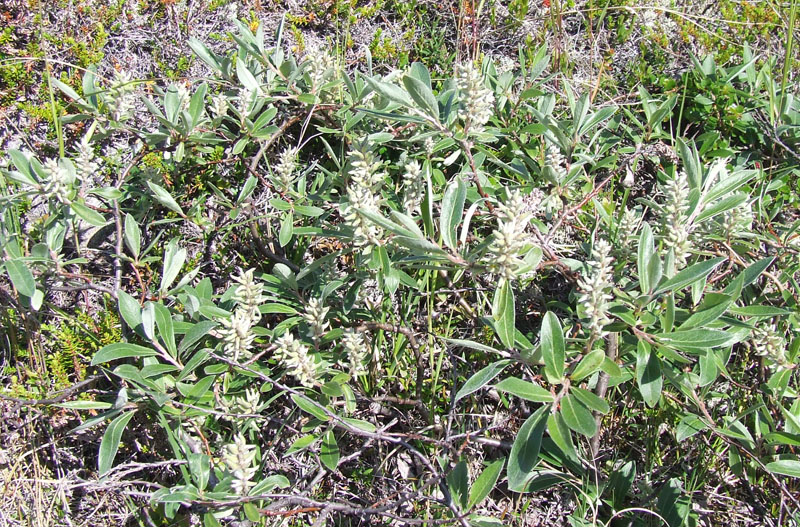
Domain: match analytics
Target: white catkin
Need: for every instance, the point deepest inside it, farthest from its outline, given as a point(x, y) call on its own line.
point(356, 350)
point(237, 330)
point(318, 64)
point(58, 184)
point(595, 288)
point(238, 457)
point(477, 101)
point(771, 345)
point(287, 164)
point(315, 315)
point(556, 162)
point(366, 169)
point(297, 360)
point(675, 228)
point(414, 187)
point(509, 237)
point(85, 165)
point(237, 334)
point(121, 96)
point(361, 197)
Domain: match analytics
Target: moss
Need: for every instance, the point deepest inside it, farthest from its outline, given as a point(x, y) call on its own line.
point(74, 341)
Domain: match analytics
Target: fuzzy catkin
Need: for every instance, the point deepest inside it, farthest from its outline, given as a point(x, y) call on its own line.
point(315, 315)
point(477, 101)
point(238, 457)
point(768, 343)
point(556, 162)
point(287, 164)
point(297, 360)
point(414, 186)
point(594, 288)
point(58, 185)
point(85, 165)
point(509, 237)
point(675, 228)
point(356, 350)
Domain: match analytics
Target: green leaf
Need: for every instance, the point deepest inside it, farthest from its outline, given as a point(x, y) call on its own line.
point(130, 310)
point(287, 229)
point(422, 95)
point(311, 407)
point(760, 311)
point(458, 483)
point(689, 275)
point(592, 401)
point(358, 423)
point(166, 329)
point(620, 483)
point(714, 306)
point(688, 426)
point(247, 189)
point(269, 483)
point(90, 216)
point(195, 333)
point(329, 451)
point(275, 307)
point(85, 405)
point(121, 350)
point(561, 435)
point(246, 77)
point(21, 277)
point(577, 416)
point(301, 444)
point(504, 314)
point(785, 467)
point(697, 338)
point(525, 450)
point(485, 483)
point(200, 467)
point(473, 345)
point(174, 258)
point(524, 390)
point(251, 512)
point(481, 378)
point(198, 389)
point(647, 251)
point(648, 374)
point(755, 270)
point(452, 209)
point(110, 443)
point(164, 197)
point(149, 320)
point(553, 348)
point(133, 236)
point(589, 364)
point(390, 91)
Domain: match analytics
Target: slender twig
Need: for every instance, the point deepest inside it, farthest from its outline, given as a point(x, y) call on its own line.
point(612, 345)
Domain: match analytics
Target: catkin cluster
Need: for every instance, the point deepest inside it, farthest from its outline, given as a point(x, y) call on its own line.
point(237, 330)
point(366, 177)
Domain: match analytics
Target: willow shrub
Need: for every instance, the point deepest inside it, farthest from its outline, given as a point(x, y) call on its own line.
point(291, 244)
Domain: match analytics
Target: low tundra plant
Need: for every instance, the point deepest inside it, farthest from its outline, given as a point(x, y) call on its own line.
point(412, 303)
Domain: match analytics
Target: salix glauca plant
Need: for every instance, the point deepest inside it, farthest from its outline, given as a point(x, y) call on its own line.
point(416, 260)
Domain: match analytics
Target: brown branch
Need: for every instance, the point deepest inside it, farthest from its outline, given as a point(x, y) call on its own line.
point(602, 387)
